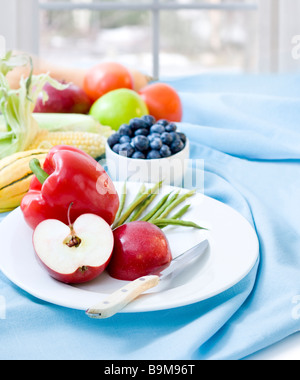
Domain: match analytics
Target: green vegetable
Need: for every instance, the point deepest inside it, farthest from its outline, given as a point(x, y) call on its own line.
point(164, 222)
point(179, 215)
point(176, 202)
point(122, 201)
point(60, 122)
point(159, 215)
point(143, 206)
point(136, 203)
point(19, 128)
point(181, 212)
point(156, 208)
point(165, 206)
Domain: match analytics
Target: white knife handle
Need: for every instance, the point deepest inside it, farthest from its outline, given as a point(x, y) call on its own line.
point(122, 297)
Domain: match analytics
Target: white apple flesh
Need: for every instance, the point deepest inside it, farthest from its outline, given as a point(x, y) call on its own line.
point(74, 254)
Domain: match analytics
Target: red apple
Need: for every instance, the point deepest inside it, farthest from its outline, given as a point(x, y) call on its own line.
point(140, 248)
point(71, 100)
point(77, 253)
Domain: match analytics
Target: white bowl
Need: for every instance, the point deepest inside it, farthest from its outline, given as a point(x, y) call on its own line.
point(171, 170)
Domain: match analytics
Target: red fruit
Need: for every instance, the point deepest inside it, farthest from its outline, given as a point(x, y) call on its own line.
point(140, 248)
point(71, 100)
point(73, 177)
point(163, 102)
point(106, 77)
point(77, 253)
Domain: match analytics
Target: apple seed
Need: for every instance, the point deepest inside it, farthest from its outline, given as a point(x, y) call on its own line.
point(74, 242)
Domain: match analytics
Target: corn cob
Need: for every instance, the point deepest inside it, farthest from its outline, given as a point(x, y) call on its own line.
point(15, 178)
point(60, 122)
point(91, 143)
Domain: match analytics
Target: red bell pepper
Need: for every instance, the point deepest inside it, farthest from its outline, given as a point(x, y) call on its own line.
point(69, 176)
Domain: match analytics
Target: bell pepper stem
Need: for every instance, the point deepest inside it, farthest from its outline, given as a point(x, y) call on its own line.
point(37, 170)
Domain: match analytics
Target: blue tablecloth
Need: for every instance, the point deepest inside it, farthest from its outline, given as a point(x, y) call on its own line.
point(247, 129)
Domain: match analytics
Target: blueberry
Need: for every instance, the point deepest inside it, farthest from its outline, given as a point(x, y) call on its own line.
point(149, 120)
point(163, 122)
point(165, 151)
point(116, 148)
point(153, 136)
point(177, 146)
point(138, 155)
point(172, 127)
point(125, 139)
point(113, 139)
point(156, 144)
point(153, 154)
point(126, 150)
point(182, 137)
point(141, 143)
point(157, 128)
point(141, 132)
point(136, 124)
point(125, 130)
point(166, 138)
point(175, 136)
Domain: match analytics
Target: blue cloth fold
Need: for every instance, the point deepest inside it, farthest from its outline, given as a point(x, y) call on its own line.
point(247, 130)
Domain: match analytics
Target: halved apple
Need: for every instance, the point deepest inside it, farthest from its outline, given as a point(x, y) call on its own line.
point(77, 253)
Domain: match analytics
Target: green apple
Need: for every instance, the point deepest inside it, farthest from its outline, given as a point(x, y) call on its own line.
point(119, 107)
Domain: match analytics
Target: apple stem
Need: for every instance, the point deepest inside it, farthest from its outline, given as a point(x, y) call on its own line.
point(37, 170)
point(75, 241)
point(69, 216)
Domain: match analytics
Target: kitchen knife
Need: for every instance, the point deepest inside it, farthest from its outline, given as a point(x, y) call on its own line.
point(122, 297)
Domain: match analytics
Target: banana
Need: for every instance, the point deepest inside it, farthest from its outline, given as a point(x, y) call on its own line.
point(15, 177)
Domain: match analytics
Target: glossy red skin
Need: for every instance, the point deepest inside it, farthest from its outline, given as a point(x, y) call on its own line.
point(107, 77)
point(163, 102)
point(74, 177)
point(79, 276)
point(140, 248)
point(71, 100)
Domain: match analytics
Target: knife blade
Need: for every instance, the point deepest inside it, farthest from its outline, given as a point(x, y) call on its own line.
point(122, 297)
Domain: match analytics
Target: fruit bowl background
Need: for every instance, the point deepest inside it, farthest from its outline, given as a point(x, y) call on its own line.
point(169, 169)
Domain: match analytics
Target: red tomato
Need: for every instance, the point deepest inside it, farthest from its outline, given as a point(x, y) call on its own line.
point(106, 77)
point(163, 102)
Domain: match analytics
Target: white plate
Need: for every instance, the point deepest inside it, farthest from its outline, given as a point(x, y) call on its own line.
point(232, 254)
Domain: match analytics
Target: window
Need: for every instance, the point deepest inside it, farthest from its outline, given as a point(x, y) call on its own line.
point(159, 37)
